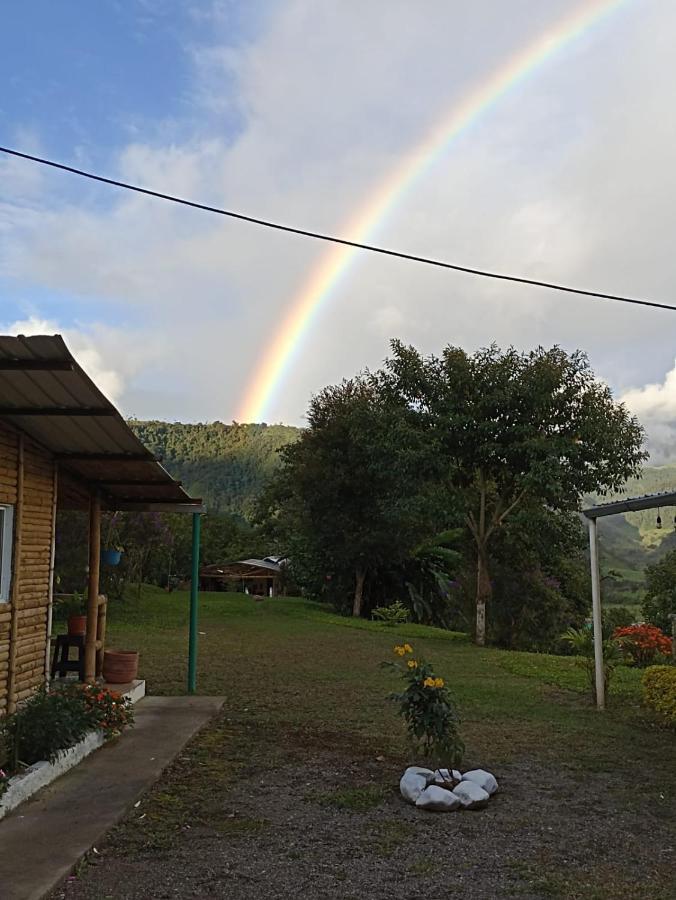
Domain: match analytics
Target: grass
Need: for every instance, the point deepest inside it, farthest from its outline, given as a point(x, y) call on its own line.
point(293, 674)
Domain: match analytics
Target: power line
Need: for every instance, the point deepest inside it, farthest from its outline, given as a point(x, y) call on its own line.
point(319, 236)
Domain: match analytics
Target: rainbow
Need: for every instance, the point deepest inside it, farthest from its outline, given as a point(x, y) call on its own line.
point(335, 262)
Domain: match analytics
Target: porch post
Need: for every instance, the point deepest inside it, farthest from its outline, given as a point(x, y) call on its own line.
point(596, 615)
point(194, 595)
point(93, 589)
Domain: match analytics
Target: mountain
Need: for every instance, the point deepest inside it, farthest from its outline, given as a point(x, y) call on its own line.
point(225, 465)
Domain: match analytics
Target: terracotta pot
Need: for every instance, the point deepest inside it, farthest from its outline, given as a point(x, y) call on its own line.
point(77, 625)
point(120, 666)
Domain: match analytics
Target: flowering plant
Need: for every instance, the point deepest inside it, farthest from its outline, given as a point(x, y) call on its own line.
point(427, 708)
point(642, 643)
point(107, 711)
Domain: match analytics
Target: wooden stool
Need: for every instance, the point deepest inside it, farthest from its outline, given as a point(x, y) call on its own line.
point(62, 661)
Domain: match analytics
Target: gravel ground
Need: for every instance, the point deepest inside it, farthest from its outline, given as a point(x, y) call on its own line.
point(329, 823)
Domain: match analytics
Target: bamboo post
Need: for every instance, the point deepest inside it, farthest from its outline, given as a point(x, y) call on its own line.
point(16, 580)
point(93, 589)
point(52, 554)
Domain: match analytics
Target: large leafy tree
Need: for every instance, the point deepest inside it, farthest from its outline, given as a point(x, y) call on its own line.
point(350, 496)
point(509, 428)
point(660, 598)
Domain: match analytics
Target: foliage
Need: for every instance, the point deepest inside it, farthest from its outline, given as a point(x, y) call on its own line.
point(50, 722)
point(506, 428)
point(642, 643)
point(659, 603)
point(429, 575)
point(581, 641)
point(226, 465)
point(659, 691)
point(350, 497)
point(108, 711)
point(615, 617)
point(428, 710)
point(394, 614)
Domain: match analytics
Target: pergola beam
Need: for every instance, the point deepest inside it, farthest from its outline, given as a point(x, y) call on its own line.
point(107, 457)
point(36, 365)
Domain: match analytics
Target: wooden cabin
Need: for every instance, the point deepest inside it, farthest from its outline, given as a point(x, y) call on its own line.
point(62, 445)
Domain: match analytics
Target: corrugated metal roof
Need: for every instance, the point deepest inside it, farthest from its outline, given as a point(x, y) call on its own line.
point(48, 396)
point(631, 504)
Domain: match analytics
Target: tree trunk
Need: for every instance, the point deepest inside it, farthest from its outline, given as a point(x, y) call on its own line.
point(360, 577)
point(483, 594)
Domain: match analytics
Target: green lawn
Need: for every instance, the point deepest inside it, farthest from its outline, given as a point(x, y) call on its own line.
point(306, 699)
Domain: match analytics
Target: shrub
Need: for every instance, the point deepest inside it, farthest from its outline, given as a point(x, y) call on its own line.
point(581, 641)
point(616, 617)
point(642, 643)
point(108, 711)
point(659, 691)
point(427, 709)
point(394, 614)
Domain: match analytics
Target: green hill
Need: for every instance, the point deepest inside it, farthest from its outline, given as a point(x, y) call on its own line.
point(225, 465)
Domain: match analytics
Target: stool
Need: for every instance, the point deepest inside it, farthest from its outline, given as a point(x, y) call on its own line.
point(62, 661)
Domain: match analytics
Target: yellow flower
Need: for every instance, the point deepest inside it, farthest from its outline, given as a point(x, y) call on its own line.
point(399, 650)
point(408, 648)
point(412, 664)
point(429, 682)
point(438, 682)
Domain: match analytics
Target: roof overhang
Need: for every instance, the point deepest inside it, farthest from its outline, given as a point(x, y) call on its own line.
point(45, 394)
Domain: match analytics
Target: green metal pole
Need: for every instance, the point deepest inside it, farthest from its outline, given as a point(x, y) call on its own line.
point(194, 594)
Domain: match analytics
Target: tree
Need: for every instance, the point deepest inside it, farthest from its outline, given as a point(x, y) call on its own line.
point(510, 428)
point(659, 603)
point(350, 494)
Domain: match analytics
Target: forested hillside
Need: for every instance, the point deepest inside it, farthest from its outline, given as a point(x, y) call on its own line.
point(226, 465)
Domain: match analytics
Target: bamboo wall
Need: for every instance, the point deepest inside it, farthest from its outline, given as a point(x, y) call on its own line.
point(23, 620)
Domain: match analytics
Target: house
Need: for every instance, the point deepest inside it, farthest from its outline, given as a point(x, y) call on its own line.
point(255, 576)
point(62, 445)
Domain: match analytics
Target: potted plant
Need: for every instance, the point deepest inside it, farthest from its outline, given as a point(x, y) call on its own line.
point(74, 611)
point(112, 552)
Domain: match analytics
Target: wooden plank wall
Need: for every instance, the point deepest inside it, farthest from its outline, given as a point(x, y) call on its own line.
point(22, 665)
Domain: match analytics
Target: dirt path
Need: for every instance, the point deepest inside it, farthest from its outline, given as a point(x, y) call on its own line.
point(249, 814)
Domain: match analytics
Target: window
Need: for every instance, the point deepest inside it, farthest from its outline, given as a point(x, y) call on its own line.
point(6, 520)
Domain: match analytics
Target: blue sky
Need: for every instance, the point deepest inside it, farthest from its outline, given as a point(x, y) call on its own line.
point(296, 110)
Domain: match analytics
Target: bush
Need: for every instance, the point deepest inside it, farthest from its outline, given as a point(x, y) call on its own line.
point(51, 722)
point(659, 691)
point(581, 641)
point(642, 643)
point(616, 617)
point(428, 710)
point(394, 614)
point(660, 598)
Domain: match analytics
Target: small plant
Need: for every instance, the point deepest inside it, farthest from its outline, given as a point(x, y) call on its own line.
point(427, 709)
point(581, 641)
point(108, 711)
point(642, 643)
point(394, 614)
point(659, 692)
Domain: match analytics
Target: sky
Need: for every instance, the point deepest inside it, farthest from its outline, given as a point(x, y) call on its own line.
point(296, 110)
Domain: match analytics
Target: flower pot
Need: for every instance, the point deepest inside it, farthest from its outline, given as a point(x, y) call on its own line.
point(120, 666)
point(77, 625)
point(111, 557)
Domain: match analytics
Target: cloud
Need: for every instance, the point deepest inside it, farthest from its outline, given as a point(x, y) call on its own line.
point(569, 178)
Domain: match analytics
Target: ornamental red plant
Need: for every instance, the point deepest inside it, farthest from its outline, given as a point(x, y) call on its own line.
point(642, 643)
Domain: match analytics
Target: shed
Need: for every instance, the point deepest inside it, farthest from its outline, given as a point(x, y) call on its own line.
point(62, 443)
point(256, 576)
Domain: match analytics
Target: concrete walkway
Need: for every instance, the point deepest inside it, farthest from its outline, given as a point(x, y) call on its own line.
point(43, 838)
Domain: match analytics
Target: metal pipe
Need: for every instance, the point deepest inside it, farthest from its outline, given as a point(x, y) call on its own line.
point(93, 588)
point(52, 559)
point(194, 597)
point(596, 615)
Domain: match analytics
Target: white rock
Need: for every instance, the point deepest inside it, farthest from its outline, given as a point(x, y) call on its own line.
point(484, 779)
point(413, 782)
point(438, 799)
point(471, 795)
